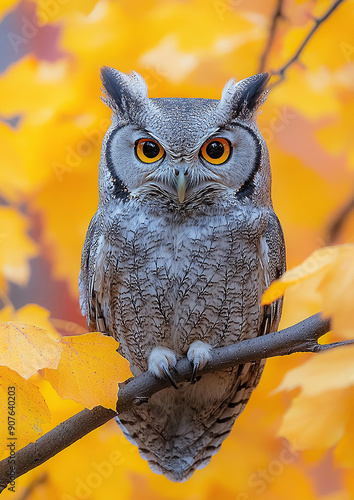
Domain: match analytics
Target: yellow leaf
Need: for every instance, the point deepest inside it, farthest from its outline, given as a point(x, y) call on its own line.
point(27, 348)
point(22, 406)
point(337, 292)
point(327, 279)
point(330, 370)
point(47, 83)
point(317, 262)
point(16, 248)
point(32, 314)
point(321, 415)
point(316, 421)
point(22, 151)
point(6, 6)
point(344, 451)
point(49, 12)
point(89, 370)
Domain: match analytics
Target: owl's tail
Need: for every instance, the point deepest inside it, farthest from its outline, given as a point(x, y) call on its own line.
point(178, 432)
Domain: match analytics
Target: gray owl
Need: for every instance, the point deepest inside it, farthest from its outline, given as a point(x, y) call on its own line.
point(178, 255)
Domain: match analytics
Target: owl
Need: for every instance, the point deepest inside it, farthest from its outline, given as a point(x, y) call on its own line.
point(177, 257)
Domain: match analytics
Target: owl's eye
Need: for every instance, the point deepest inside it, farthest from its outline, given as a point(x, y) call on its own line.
point(216, 151)
point(149, 150)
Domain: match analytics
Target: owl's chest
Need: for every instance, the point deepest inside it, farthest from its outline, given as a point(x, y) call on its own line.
point(174, 282)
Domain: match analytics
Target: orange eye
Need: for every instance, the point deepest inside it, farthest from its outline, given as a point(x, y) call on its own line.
point(216, 150)
point(149, 150)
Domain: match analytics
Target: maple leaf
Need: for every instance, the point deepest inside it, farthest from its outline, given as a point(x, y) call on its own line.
point(327, 278)
point(52, 155)
point(89, 370)
point(32, 314)
point(22, 407)
point(14, 264)
point(320, 416)
point(27, 348)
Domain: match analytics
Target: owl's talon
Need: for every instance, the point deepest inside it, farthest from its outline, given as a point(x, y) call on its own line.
point(161, 360)
point(170, 378)
point(198, 354)
point(194, 373)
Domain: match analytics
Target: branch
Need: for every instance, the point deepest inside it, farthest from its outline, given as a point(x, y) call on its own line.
point(302, 337)
point(318, 22)
point(337, 224)
point(272, 29)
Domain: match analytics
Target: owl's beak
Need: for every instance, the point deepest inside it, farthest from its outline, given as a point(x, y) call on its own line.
point(181, 185)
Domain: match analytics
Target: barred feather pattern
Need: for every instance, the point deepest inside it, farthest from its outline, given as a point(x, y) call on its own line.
point(183, 244)
point(157, 279)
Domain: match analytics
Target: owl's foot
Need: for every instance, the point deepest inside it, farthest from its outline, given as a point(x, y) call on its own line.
point(198, 354)
point(161, 360)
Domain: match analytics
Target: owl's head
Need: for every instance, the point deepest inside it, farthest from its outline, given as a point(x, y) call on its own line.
point(183, 151)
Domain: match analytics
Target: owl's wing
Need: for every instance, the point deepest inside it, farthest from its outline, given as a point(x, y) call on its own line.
point(276, 266)
point(88, 280)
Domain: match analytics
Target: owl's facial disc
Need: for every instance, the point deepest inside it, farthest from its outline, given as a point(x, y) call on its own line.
point(151, 165)
point(179, 149)
point(180, 179)
point(184, 175)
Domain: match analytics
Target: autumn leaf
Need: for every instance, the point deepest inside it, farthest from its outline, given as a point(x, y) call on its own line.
point(5, 6)
point(89, 370)
point(316, 263)
point(61, 9)
point(27, 348)
point(330, 370)
point(22, 407)
point(316, 421)
point(32, 314)
point(48, 178)
point(16, 247)
point(321, 415)
point(326, 277)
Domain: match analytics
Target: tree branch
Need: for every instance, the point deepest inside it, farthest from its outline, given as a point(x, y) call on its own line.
point(271, 34)
point(302, 337)
point(338, 222)
point(281, 72)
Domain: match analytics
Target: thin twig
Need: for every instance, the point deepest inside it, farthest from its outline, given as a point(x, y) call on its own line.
point(278, 14)
point(302, 337)
point(337, 224)
point(42, 478)
point(281, 72)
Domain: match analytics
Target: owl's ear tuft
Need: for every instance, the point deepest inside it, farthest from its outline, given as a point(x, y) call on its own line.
point(242, 99)
point(125, 94)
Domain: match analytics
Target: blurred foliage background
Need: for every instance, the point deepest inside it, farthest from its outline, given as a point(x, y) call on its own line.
point(51, 128)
